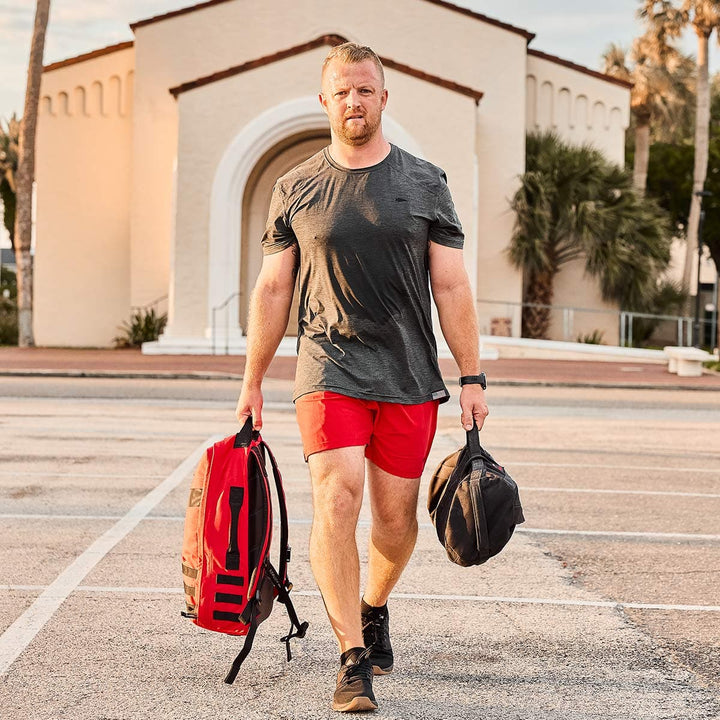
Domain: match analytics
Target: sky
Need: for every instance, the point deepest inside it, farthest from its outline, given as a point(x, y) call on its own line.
point(576, 30)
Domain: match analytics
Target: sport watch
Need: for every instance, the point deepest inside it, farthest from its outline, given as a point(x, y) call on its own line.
point(474, 380)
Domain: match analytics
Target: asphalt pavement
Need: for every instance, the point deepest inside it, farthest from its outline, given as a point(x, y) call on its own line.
point(603, 605)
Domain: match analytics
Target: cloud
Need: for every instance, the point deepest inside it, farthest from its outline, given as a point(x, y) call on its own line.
point(15, 20)
point(7, 9)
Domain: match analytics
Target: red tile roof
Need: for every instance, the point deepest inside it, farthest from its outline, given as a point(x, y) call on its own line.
point(175, 13)
point(579, 68)
point(442, 3)
point(89, 56)
point(484, 18)
point(318, 42)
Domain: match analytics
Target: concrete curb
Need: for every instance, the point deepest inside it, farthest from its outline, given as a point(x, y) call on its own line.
point(121, 374)
point(144, 375)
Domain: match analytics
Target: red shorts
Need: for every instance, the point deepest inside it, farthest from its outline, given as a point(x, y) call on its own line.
point(397, 437)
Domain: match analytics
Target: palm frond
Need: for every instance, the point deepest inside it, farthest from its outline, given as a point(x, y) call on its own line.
point(573, 203)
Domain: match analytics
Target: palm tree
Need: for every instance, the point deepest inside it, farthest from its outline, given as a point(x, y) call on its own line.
point(661, 92)
point(25, 176)
point(572, 203)
point(667, 22)
point(9, 139)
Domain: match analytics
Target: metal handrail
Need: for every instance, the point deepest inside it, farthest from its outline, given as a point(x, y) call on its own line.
point(227, 323)
point(149, 305)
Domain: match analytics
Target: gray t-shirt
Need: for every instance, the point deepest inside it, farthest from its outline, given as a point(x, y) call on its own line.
point(364, 321)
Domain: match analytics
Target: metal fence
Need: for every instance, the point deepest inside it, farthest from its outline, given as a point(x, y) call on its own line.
point(610, 327)
point(567, 323)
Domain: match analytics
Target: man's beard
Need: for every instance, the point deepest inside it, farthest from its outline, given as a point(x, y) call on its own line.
point(351, 134)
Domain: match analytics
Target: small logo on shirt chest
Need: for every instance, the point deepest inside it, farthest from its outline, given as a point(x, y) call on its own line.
point(400, 199)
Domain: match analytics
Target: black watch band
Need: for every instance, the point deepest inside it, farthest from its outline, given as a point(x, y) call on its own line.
point(474, 380)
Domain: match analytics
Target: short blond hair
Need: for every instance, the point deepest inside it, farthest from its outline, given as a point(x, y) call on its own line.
point(352, 53)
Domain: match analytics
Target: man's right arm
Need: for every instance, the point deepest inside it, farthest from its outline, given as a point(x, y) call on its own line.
point(267, 321)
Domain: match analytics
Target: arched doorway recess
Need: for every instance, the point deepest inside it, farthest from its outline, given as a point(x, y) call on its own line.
point(256, 203)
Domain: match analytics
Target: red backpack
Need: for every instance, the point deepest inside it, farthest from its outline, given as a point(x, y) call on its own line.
point(230, 584)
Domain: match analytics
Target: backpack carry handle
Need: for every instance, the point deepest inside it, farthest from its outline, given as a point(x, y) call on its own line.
point(245, 436)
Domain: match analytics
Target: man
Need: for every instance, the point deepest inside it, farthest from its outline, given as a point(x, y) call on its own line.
point(363, 225)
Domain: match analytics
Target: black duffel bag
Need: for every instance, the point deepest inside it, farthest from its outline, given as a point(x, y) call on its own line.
point(473, 503)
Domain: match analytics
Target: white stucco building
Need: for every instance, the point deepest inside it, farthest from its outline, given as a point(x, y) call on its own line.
point(156, 157)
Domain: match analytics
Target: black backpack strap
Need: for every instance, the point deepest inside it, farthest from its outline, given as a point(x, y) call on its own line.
point(247, 647)
point(284, 533)
point(284, 598)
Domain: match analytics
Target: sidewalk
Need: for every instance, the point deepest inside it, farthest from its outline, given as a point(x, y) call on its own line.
point(61, 362)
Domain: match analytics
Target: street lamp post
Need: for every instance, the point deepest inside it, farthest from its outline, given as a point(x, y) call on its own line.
point(696, 324)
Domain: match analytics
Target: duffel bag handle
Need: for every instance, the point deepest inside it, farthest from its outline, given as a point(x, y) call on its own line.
point(473, 442)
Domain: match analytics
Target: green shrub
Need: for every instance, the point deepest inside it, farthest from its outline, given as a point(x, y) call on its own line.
point(8, 308)
point(8, 282)
point(8, 322)
point(593, 338)
point(143, 326)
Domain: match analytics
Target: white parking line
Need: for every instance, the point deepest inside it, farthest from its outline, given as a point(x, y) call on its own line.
point(552, 601)
point(620, 533)
point(21, 633)
point(499, 599)
point(639, 535)
point(585, 466)
point(47, 516)
point(78, 476)
point(599, 491)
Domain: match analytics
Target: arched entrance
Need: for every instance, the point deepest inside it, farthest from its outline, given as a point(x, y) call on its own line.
point(256, 202)
point(271, 135)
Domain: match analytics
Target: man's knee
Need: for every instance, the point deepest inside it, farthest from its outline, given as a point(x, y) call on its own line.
point(337, 492)
point(399, 523)
point(336, 502)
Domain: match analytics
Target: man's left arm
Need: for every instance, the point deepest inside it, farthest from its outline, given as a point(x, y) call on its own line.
point(456, 308)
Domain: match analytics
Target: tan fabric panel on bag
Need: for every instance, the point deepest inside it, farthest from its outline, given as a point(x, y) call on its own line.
point(189, 571)
point(191, 549)
point(446, 467)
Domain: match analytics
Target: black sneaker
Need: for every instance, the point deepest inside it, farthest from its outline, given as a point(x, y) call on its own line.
point(354, 691)
point(376, 634)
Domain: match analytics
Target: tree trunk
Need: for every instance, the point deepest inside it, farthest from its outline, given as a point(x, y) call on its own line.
point(538, 291)
point(642, 152)
point(25, 176)
point(702, 133)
